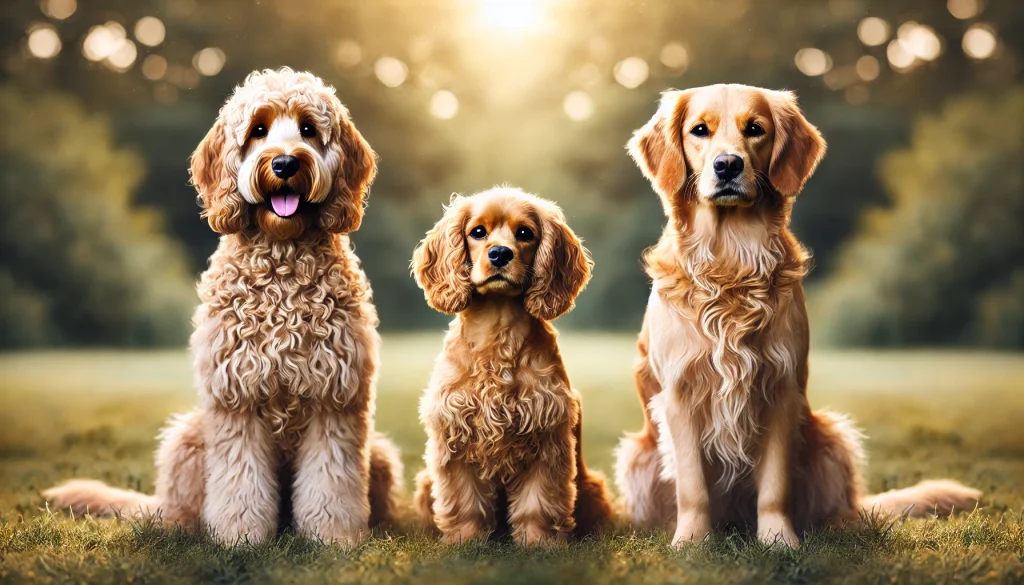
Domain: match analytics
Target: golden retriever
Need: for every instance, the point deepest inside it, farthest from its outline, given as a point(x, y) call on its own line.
point(503, 424)
point(285, 340)
point(729, 438)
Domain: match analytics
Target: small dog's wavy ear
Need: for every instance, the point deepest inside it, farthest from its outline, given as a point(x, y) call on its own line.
point(441, 263)
point(657, 148)
point(343, 211)
point(223, 206)
point(561, 269)
point(798, 145)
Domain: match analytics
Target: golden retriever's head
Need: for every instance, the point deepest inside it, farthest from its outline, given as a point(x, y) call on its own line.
point(502, 242)
point(283, 156)
point(725, 145)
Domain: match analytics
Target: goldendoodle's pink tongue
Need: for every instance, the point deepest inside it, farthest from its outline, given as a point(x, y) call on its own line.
point(284, 205)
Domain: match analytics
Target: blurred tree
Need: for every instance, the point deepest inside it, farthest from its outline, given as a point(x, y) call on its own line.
point(81, 263)
point(942, 265)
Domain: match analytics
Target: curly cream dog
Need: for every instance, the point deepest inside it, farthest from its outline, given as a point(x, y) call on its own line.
point(722, 374)
point(503, 424)
point(285, 340)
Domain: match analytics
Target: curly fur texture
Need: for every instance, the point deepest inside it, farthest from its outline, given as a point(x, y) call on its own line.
point(285, 340)
point(503, 423)
point(729, 437)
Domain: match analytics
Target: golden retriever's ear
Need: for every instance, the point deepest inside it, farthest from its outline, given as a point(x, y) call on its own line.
point(222, 205)
point(561, 269)
point(798, 146)
point(343, 210)
point(441, 264)
point(657, 148)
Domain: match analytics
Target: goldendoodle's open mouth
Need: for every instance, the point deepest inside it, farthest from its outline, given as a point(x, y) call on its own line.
point(285, 201)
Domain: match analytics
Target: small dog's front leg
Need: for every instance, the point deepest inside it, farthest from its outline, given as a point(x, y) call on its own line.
point(542, 498)
point(463, 503)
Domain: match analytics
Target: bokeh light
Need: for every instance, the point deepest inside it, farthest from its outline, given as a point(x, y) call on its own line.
point(510, 15)
point(631, 72)
point(980, 42)
point(43, 42)
point(868, 68)
point(813, 62)
point(123, 58)
point(103, 40)
point(898, 57)
point(857, 95)
point(150, 31)
point(209, 61)
point(347, 54)
point(59, 9)
point(588, 76)
point(675, 56)
point(919, 40)
point(964, 9)
point(873, 31)
point(578, 105)
point(154, 67)
point(390, 71)
point(444, 105)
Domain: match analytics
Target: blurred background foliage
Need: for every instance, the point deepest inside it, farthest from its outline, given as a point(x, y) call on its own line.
point(915, 217)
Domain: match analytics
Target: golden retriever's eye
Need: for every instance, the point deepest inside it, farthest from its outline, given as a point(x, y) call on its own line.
point(258, 131)
point(524, 234)
point(307, 130)
point(753, 129)
point(700, 131)
point(478, 233)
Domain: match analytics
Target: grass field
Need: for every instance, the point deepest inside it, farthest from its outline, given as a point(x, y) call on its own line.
point(95, 414)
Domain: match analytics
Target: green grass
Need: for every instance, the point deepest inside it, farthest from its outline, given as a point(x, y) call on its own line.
point(928, 414)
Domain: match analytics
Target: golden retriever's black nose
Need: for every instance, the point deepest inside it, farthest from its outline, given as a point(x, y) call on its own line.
point(284, 166)
point(728, 166)
point(500, 256)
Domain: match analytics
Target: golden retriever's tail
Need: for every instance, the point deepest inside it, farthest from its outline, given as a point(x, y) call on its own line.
point(941, 497)
point(95, 498)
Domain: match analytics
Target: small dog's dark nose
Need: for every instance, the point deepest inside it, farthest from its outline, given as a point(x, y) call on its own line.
point(728, 166)
point(500, 256)
point(284, 166)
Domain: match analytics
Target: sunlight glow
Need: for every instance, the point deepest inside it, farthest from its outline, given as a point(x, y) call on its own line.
point(510, 15)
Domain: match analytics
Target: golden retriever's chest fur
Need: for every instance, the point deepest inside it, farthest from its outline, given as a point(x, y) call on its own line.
point(282, 327)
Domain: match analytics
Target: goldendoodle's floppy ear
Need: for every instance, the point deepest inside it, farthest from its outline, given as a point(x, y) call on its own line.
point(561, 269)
point(441, 263)
point(798, 146)
point(343, 210)
point(657, 148)
point(216, 184)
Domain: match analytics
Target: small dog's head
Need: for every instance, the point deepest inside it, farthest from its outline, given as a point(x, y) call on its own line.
point(502, 242)
point(283, 156)
point(725, 145)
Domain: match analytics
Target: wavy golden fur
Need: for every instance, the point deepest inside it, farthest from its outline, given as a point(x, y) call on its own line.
point(729, 437)
point(503, 423)
point(285, 339)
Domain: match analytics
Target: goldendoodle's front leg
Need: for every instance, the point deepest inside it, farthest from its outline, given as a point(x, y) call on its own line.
point(241, 478)
point(542, 498)
point(181, 469)
point(332, 473)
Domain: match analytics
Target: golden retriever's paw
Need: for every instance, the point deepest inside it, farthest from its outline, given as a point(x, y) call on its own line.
point(777, 530)
point(691, 528)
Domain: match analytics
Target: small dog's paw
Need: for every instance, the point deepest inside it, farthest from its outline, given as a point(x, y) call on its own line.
point(691, 528)
point(462, 533)
point(776, 529)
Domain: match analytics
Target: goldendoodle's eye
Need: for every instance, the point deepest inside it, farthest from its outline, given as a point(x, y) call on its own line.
point(258, 131)
point(524, 234)
point(753, 129)
point(700, 131)
point(307, 130)
point(478, 233)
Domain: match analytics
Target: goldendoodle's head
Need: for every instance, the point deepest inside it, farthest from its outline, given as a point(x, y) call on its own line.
point(283, 157)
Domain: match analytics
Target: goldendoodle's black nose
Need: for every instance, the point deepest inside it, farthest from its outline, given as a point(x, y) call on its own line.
point(284, 166)
point(500, 256)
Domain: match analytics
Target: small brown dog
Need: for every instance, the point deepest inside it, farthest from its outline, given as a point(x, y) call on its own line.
point(729, 437)
point(502, 421)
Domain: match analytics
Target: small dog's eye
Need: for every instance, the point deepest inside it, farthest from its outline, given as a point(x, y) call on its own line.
point(478, 233)
point(258, 131)
point(700, 131)
point(307, 130)
point(753, 129)
point(524, 234)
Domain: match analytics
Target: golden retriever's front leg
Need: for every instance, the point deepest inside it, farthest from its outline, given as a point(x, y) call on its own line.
point(693, 515)
point(330, 495)
point(241, 478)
point(772, 474)
point(542, 498)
